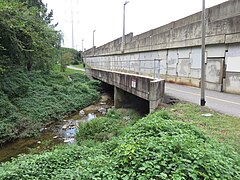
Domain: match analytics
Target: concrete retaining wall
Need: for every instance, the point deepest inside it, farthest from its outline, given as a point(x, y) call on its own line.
point(174, 50)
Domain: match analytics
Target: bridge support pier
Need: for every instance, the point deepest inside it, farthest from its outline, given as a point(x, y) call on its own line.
point(119, 97)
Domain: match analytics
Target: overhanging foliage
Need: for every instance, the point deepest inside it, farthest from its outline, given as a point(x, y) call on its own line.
point(26, 37)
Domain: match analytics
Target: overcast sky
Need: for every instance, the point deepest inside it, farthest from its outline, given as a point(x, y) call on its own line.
point(106, 17)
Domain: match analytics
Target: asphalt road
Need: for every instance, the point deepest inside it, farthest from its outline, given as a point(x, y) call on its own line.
point(222, 102)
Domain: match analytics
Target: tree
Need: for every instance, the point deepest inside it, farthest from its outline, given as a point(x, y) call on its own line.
point(27, 38)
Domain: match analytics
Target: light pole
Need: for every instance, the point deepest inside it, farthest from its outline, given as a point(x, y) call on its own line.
point(93, 42)
point(123, 37)
point(93, 37)
point(72, 30)
point(82, 44)
point(203, 101)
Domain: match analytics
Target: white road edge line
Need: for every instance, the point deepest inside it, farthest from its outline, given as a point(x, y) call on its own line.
point(231, 102)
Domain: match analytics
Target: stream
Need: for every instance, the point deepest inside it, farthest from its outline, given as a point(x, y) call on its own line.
point(56, 133)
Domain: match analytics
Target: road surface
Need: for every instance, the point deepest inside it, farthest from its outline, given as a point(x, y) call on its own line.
point(222, 102)
point(75, 68)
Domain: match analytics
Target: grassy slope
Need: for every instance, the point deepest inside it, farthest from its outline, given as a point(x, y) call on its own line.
point(28, 100)
point(224, 128)
point(67, 70)
point(158, 146)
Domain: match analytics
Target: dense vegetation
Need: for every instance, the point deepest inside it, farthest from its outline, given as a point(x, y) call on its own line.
point(27, 38)
point(30, 99)
point(30, 94)
point(155, 147)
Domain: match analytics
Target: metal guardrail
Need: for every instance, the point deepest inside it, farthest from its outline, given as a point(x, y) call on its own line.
point(142, 67)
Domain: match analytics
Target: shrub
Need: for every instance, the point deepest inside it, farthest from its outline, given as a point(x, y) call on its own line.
point(105, 128)
point(98, 129)
point(157, 148)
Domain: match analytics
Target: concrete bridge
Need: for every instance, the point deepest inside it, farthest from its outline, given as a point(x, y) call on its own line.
point(173, 52)
point(126, 84)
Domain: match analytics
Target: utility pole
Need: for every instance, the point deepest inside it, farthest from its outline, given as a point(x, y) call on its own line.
point(71, 10)
point(93, 42)
point(203, 70)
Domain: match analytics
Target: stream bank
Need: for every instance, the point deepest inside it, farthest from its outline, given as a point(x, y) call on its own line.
point(57, 132)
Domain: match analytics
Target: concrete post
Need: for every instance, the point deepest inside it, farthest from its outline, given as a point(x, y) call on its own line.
point(156, 92)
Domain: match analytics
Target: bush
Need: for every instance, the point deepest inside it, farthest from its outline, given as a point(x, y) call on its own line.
point(156, 148)
point(105, 128)
point(98, 129)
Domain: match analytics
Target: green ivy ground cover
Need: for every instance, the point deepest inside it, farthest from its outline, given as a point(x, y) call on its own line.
point(154, 147)
point(29, 100)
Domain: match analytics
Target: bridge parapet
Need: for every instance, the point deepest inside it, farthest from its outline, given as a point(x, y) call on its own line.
point(144, 87)
point(132, 65)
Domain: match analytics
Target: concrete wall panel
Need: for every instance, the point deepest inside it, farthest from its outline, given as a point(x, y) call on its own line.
point(233, 82)
point(195, 57)
point(183, 67)
point(233, 64)
point(172, 61)
point(162, 54)
point(184, 53)
point(216, 50)
point(163, 67)
point(214, 70)
point(233, 58)
point(195, 73)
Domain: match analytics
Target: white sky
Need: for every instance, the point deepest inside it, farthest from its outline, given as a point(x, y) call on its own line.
point(106, 17)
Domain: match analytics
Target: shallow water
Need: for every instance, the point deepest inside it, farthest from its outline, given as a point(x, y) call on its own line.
point(56, 133)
